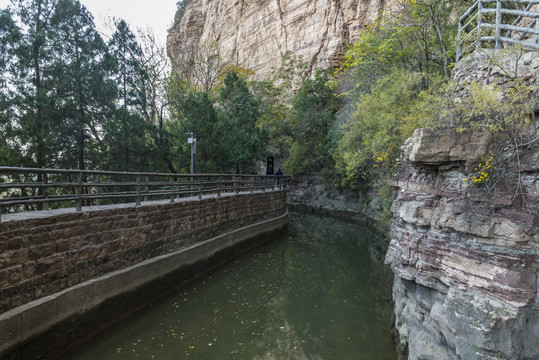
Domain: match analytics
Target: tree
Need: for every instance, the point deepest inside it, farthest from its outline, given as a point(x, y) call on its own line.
point(126, 129)
point(385, 75)
point(81, 70)
point(198, 68)
point(412, 35)
point(200, 116)
point(10, 36)
point(380, 123)
point(130, 75)
point(67, 101)
point(228, 138)
point(242, 142)
point(156, 66)
point(315, 107)
point(274, 96)
point(28, 75)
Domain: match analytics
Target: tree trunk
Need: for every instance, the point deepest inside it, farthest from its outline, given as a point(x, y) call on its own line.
point(38, 120)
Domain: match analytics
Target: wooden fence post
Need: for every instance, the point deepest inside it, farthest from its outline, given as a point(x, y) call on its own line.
point(98, 190)
point(45, 191)
point(172, 189)
point(138, 190)
point(146, 189)
point(79, 192)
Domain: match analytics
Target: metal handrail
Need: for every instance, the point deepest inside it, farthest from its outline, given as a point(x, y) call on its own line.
point(88, 187)
point(478, 15)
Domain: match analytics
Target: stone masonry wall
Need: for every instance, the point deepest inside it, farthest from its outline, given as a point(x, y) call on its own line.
point(41, 256)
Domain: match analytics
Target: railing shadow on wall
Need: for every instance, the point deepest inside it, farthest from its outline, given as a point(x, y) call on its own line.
point(30, 189)
point(495, 23)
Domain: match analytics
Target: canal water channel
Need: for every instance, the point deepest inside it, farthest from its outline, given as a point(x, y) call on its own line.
point(322, 292)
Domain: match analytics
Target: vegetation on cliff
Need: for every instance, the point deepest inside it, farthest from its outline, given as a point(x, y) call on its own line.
point(395, 79)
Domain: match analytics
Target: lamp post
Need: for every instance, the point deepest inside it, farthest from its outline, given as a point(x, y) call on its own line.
point(193, 141)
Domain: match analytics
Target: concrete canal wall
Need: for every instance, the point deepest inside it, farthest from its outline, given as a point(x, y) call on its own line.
point(67, 275)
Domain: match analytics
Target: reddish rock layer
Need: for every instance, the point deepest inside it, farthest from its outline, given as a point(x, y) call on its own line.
point(466, 275)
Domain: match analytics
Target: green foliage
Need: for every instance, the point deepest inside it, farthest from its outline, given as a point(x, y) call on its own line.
point(80, 73)
point(198, 114)
point(128, 72)
point(291, 73)
point(274, 96)
point(126, 126)
point(489, 108)
point(242, 141)
point(315, 107)
point(274, 111)
point(70, 100)
point(228, 138)
point(9, 37)
point(376, 52)
point(383, 119)
point(389, 78)
point(414, 35)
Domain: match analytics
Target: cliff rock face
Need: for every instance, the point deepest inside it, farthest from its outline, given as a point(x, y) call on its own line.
point(465, 264)
point(256, 34)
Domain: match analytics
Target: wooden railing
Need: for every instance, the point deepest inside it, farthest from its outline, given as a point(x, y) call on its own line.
point(499, 23)
point(28, 189)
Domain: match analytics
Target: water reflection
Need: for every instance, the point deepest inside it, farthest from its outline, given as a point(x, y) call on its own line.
point(318, 294)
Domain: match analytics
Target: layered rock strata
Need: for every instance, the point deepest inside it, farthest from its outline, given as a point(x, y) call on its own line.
point(466, 274)
point(256, 34)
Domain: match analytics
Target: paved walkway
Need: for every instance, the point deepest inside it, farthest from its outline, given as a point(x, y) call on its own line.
point(71, 210)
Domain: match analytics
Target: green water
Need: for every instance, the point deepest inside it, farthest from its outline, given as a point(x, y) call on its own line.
point(320, 293)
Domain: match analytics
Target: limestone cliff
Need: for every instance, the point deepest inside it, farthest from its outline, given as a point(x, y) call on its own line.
point(256, 34)
point(466, 275)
